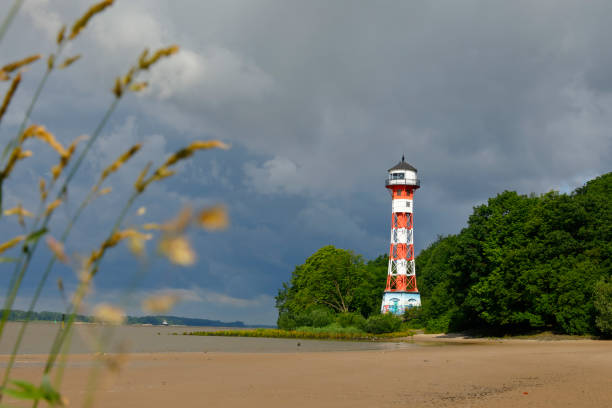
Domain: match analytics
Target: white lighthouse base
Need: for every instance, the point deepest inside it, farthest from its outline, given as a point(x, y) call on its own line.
point(398, 302)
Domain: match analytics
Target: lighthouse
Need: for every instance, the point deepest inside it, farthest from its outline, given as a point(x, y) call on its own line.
point(401, 291)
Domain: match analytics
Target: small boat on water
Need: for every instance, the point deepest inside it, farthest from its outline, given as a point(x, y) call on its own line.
point(164, 323)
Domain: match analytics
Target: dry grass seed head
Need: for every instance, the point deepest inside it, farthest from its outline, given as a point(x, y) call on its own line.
point(42, 187)
point(159, 303)
point(80, 24)
point(16, 155)
point(69, 61)
point(60, 34)
point(208, 144)
point(136, 241)
point(112, 241)
point(52, 206)
point(39, 132)
point(65, 158)
point(20, 212)
point(145, 63)
point(177, 249)
point(11, 243)
point(161, 174)
point(213, 218)
point(118, 88)
point(9, 94)
point(105, 191)
point(57, 248)
point(121, 160)
point(13, 66)
point(109, 314)
point(140, 184)
point(192, 148)
point(141, 211)
point(139, 86)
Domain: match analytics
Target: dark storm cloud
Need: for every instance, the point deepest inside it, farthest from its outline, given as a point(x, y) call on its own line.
point(320, 98)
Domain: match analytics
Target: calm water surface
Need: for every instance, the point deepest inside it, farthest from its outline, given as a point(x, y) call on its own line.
point(150, 339)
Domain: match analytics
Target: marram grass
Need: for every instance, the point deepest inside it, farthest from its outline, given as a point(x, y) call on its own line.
point(301, 334)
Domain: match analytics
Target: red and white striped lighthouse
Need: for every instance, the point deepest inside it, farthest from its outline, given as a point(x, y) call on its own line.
point(401, 291)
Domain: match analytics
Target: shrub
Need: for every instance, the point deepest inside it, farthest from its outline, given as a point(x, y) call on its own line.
point(321, 317)
point(285, 322)
point(602, 301)
point(438, 325)
point(413, 317)
point(382, 323)
point(351, 320)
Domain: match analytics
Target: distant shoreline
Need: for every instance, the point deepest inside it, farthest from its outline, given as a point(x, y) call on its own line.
point(154, 320)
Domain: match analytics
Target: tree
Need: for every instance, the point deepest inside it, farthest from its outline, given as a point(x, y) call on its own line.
point(603, 306)
point(523, 263)
point(329, 277)
point(335, 280)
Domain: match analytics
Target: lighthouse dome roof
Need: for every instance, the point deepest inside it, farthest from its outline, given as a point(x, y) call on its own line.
point(402, 165)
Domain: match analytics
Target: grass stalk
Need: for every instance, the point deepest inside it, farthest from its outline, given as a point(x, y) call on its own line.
point(38, 291)
point(26, 117)
point(62, 333)
point(27, 253)
point(9, 18)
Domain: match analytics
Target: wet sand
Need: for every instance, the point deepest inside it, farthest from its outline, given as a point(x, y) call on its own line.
point(429, 373)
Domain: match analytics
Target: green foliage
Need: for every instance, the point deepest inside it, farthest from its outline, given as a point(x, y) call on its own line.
point(523, 263)
point(331, 332)
point(286, 322)
point(351, 320)
point(334, 279)
point(28, 391)
point(603, 306)
point(413, 318)
point(320, 317)
point(382, 323)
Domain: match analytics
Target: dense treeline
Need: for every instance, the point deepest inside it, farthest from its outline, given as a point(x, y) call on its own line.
point(20, 315)
point(523, 263)
point(181, 321)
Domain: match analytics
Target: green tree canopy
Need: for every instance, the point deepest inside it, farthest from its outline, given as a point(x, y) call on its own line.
point(335, 279)
point(522, 263)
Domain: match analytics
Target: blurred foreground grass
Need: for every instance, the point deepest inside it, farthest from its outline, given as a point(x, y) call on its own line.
point(53, 192)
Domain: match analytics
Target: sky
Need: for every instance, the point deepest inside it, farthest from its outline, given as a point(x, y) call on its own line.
point(317, 99)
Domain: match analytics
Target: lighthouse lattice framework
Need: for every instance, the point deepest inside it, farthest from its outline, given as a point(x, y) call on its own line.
point(401, 292)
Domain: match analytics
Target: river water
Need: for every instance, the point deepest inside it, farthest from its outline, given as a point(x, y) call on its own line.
point(153, 339)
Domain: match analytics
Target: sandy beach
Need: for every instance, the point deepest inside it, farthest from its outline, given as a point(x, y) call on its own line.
point(427, 371)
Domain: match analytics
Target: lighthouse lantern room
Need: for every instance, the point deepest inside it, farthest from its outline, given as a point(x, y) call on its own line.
point(401, 291)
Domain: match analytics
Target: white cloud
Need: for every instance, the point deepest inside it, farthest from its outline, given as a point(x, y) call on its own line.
point(275, 175)
point(43, 17)
point(215, 76)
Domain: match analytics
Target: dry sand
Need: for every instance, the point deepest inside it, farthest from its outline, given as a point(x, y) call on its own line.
point(432, 373)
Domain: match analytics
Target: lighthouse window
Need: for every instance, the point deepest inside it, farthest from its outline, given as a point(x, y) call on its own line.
point(397, 176)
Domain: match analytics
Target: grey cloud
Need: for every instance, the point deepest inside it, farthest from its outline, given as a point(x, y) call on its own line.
point(320, 98)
